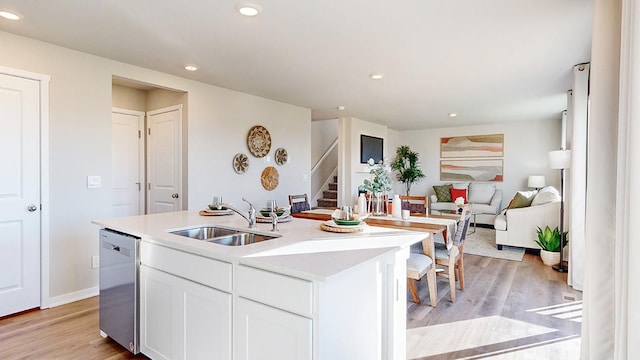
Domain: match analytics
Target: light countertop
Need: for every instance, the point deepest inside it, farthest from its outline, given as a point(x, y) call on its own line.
point(302, 250)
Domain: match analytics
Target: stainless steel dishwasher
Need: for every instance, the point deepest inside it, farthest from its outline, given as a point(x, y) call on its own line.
point(119, 265)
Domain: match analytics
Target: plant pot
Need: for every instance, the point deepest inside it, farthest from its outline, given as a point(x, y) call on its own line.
point(550, 258)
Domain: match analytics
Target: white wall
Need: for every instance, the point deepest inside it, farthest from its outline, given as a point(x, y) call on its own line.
point(80, 145)
point(350, 170)
point(324, 133)
point(526, 147)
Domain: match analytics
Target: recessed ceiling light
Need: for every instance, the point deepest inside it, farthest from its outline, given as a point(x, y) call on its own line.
point(190, 67)
point(341, 107)
point(248, 9)
point(376, 76)
point(453, 114)
point(11, 15)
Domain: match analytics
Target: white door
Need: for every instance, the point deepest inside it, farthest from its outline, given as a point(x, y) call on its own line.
point(164, 159)
point(127, 162)
point(19, 194)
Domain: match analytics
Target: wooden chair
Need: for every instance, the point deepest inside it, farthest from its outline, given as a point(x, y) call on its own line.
point(453, 257)
point(419, 264)
point(299, 203)
point(417, 205)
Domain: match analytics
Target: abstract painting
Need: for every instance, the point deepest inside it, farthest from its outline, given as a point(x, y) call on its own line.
point(471, 170)
point(472, 146)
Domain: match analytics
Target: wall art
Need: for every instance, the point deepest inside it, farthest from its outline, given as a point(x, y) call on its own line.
point(472, 146)
point(471, 170)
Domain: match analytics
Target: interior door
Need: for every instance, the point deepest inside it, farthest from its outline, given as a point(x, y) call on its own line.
point(127, 162)
point(19, 194)
point(164, 159)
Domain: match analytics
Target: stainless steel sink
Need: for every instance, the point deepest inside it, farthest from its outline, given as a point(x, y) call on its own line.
point(240, 239)
point(223, 235)
point(205, 233)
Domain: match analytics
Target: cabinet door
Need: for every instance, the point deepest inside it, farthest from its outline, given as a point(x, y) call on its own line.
point(180, 319)
point(264, 332)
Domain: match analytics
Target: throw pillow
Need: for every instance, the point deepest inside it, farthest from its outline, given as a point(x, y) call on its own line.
point(522, 199)
point(481, 193)
point(443, 192)
point(546, 195)
point(464, 186)
point(456, 193)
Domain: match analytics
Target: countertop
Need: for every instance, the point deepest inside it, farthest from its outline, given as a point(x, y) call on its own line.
point(302, 250)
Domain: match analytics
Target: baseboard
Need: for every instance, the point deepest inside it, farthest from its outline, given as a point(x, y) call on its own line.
point(74, 296)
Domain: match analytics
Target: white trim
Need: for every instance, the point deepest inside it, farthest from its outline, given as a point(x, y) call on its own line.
point(44, 177)
point(318, 195)
point(73, 296)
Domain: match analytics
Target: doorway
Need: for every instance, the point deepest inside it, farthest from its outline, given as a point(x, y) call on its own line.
point(148, 152)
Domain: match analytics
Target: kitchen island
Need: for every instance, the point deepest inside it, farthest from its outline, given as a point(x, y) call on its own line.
point(306, 294)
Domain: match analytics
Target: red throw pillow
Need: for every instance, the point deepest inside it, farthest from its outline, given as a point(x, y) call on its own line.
point(456, 193)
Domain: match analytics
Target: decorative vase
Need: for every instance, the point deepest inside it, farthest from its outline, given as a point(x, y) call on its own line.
point(396, 207)
point(378, 207)
point(550, 258)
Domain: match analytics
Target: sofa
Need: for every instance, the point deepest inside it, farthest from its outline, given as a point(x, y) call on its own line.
point(485, 198)
point(528, 210)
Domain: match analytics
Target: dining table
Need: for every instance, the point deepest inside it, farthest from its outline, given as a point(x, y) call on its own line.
point(442, 227)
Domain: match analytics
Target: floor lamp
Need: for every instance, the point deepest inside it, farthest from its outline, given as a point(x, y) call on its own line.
point(560, 159)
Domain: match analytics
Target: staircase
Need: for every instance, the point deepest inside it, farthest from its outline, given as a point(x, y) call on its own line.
point(330, 197)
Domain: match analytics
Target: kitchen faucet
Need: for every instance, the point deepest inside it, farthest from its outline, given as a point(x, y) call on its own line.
point(250, 217)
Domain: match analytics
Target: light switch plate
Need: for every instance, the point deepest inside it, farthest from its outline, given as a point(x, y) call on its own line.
point(94, 182)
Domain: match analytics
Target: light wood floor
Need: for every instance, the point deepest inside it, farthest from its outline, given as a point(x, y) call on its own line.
point(69, 331)
point(509, 310)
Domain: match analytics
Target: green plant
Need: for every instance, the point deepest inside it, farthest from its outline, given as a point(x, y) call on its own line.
point(406, 166)
point(380, 180)
point(550, 239)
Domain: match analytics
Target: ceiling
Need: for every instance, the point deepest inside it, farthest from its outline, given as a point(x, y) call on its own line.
point(488, 61)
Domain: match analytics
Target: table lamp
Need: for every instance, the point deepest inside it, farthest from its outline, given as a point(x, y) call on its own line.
point(560, 159)
point(536, 181)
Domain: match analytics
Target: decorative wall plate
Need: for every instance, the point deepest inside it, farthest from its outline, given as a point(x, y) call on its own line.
point(259, 141)
point(281, 156)
point(240, 163)
point(270, 178)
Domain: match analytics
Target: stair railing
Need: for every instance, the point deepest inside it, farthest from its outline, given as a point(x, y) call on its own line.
point(321, 179)
point(324, 156)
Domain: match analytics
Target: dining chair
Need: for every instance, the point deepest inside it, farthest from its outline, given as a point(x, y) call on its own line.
point(299, 203)
point(416, 204)
point(419, 264)
point(453, 258)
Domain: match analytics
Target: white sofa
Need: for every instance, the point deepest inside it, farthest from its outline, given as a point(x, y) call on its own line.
point(518, 226)
point(484, 197)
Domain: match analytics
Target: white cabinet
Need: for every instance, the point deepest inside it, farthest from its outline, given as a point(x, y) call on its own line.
point(264, 332)
point(182, 319)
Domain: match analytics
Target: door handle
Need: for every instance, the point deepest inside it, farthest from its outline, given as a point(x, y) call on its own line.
point(175, 195)
point(32, 208)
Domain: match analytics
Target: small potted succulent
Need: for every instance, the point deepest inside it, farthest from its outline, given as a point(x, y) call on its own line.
point(549, 242)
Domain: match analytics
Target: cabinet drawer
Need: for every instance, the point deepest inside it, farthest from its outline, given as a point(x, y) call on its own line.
point(206, 271)
point(281, 291)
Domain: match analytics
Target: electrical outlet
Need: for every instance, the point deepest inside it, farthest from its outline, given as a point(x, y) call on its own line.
point(95, 262)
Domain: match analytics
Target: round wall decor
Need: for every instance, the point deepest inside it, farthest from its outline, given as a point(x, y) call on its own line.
point(259, 141)
point(270, 178)
point(240, 163)
point(281, 156)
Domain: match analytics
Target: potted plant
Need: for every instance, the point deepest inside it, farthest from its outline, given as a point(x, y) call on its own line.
point(406, 166)
point(379, 184)
point(549, 242)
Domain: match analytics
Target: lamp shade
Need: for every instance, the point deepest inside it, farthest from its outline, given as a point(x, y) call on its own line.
point(560, 159)
point(536, 181)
